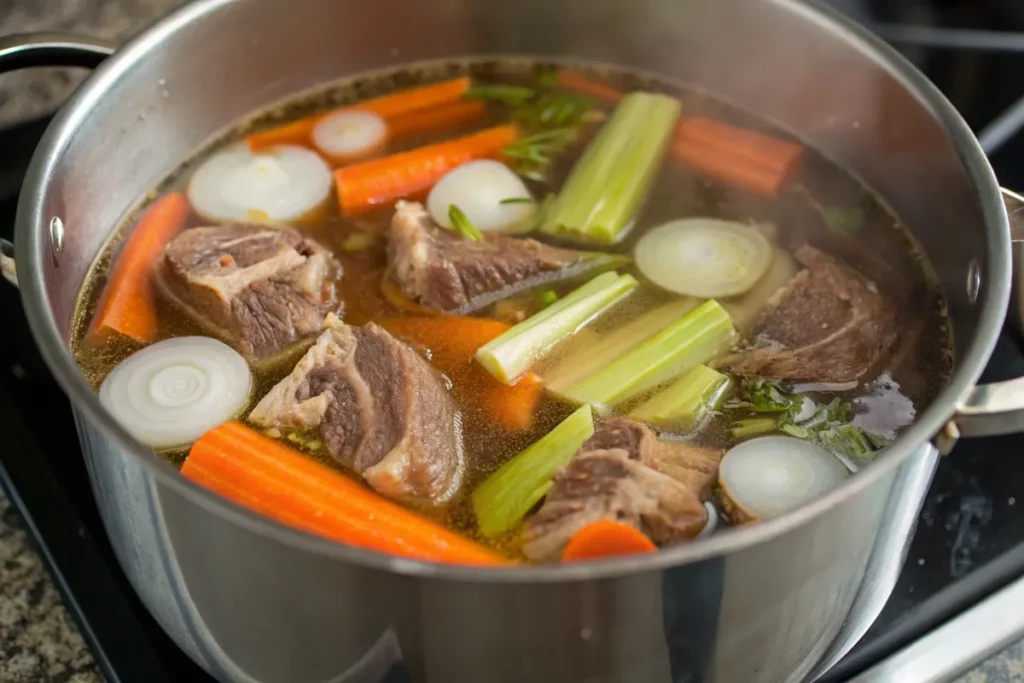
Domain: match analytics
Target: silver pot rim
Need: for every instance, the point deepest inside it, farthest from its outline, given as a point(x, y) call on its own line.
point(53, 348)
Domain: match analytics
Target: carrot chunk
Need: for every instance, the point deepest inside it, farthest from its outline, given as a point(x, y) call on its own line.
point(571, 80)
point(363, 186)
point(452, 341)
point(736, 157)
point(435, 118)
point(128, 305)
point(387, 107)
point(606, 538)
point(263, 475)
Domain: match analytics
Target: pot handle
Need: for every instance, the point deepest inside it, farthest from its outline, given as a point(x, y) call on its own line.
point(997, 408)
point(28, 50)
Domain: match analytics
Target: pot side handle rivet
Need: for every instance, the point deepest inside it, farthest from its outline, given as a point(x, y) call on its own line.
point(973, 280)
point(7, 267)
point(947, 438)
point(56, 237)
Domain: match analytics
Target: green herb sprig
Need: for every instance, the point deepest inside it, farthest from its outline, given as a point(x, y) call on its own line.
point(461, 224)
point(828, 424)
point(551, 120)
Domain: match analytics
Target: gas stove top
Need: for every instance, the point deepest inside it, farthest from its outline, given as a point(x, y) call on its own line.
point(970, 536)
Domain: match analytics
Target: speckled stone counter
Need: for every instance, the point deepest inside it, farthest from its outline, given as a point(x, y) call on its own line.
point(38, 639)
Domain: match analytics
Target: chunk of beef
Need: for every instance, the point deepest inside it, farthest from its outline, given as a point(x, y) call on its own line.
point(447, 272)
point(694, 466)
point(624, 473)
point(381, 410)
point(608, 484)
point(828, 324)
point(259, 288)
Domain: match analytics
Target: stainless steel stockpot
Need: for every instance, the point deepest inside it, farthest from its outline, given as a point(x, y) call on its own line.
point(251, 600)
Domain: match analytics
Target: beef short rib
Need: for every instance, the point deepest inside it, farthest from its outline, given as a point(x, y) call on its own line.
point(447, 272)
point(381, 410)
point(259, 288)
point(828, 324)
point(624, 473)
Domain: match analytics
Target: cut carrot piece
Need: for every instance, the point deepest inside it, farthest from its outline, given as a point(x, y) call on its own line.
point(606, 538)
point(128, 305)
point(740, 158)
point(513, 406)
point(415, 99)
point(263, 475)
point(388, 106)
point(294, 133)
point(452, 341)
point(571, 80)
point(436, 118)
point(364, 186)
point(397, 298)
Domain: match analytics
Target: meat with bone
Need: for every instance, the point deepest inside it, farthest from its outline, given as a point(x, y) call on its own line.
point(260, 288)
point(829, 324)
point(625, 473)
point(381, 410)
point(447, 272)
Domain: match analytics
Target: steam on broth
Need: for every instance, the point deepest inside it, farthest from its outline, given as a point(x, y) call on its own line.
point(496, 312)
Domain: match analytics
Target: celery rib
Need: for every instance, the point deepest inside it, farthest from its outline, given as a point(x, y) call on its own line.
point(683, 403)
point(611, 179)
point(515, 351)
point(693, 339)
point(505, 497)
point(610, 346)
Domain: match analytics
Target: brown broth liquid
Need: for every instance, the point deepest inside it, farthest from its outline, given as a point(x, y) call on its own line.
point(885, 401)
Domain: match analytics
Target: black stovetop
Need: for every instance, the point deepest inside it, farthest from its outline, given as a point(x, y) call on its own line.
point(970, 537)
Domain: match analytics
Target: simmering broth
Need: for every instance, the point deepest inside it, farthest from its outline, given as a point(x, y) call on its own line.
point(818, 204)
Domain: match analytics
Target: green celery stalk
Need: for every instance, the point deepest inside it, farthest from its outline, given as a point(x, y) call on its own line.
point(693, 339)
point(741, 429)
point(612, 345)
point(685, 401)
point(505, 497)
point(611, 179)
point(512, 353)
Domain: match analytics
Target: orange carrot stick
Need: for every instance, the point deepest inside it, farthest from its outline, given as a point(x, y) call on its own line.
point(571, 80)
point(606, 538)
point(452, 341)
point(381, 181)
point(257, 472)
point(388, 106)
point(736, 157)
point(128, 304)
point(397, 298)
point(436, 118)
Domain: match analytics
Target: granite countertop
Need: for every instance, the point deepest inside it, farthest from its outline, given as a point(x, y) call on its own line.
point(38, 639)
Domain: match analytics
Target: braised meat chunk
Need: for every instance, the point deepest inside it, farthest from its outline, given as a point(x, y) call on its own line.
point(829, 324)
point(259, 288)
point(617, 474)
point(444, 271)
point(380, 409)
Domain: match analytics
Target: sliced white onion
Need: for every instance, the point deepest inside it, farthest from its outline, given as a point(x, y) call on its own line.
point(704, 257)
point(350, 134)
point(769, 475)
point(174, 391)
point(712, 524)
point(478, 188)
point(280, 183)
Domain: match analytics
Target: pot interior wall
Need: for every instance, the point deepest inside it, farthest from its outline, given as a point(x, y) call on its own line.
point(218, 61)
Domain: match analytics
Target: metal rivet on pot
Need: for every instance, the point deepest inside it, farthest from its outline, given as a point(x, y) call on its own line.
point(973, 280)
point(7, 267)
point(947, 438)
point(56, 237)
